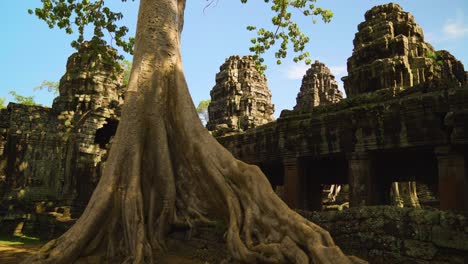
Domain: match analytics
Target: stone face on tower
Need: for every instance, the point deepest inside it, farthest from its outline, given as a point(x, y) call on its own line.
point(390, 52)
point(240, 98)
point(318, 88)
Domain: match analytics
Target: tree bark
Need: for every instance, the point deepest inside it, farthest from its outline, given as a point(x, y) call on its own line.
point(165, 170)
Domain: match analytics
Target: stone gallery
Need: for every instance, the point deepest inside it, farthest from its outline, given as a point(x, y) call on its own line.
point(404, 144)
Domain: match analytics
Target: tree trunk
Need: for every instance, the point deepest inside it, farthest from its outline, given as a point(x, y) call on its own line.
point(165, 170)
point(405, 194)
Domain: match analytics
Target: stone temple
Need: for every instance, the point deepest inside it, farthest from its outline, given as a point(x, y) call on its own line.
point(390, 52)
point(56, 154)
point(318, 88)
point(405, 120)
point(240, 98)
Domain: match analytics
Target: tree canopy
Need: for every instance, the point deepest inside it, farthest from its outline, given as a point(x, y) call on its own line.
point(284, 33)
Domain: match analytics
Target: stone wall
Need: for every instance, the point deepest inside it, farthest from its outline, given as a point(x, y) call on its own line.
point(318, 88)
point(4, 124)
point(386, 234)
point(240, 98)
point(55, 154)
point(32, 146)
point(390, 52)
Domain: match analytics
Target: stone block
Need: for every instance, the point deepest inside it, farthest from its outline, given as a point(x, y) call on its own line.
point(448, 237)
point(424, 217)
point(418, 249)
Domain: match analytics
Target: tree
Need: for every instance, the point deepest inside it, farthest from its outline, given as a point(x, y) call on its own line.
point(51, 86)
point(20, 99)
point(165, 170)
point(2, 103)
point(202, 110)
point(126, 66)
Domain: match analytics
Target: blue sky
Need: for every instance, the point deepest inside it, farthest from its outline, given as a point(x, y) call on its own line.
point(31, 52)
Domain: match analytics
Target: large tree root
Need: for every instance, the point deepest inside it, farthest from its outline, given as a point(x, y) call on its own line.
point(184, 181)
point(166, 171)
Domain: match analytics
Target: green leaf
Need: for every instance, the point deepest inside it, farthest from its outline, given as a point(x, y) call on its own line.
point(20, 99)
point(285, 28)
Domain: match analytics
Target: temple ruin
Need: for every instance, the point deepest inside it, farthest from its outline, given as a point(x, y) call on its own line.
point(390, 53)
point(318, 88)
point(55, 154)
point(400, 133)
point(240, 99)
point(404, 121)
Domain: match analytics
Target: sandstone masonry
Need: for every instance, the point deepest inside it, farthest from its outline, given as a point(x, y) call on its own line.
point(318, 88)
point(55, 154)
point(390, 52)
point(388, 234)
point(240, 98)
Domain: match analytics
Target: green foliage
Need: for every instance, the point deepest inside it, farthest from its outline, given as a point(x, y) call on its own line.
point(74, 16)
point(435, 56)
point(126, 66)
point(286, 30)
point(51, 86)
point(202, 110)
point(20, 99)
point(2, 103)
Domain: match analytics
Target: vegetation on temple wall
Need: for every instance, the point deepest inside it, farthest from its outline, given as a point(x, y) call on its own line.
point(2, 103)
point(21, 99)
point(435, 56)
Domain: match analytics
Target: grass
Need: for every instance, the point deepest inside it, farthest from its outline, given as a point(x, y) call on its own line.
point(19, 240)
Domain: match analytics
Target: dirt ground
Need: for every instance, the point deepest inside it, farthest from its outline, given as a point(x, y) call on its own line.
point(13, 254)
point(203, 248)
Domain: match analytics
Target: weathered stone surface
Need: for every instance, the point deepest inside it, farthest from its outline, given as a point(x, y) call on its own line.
point(318, 88)
point(418, 249)
point(240, 98)
point(364, 232)
point(452, 69)
point(446, 237)
point(372, 121)
point(52, 154)
point(89, 83)
point(390, 52)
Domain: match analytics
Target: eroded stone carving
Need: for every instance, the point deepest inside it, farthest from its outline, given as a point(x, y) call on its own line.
point(240, 98)
point(318, 88)
point(56, 153)
point(390, 52)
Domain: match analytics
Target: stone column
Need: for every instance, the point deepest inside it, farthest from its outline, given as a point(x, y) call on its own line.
point(294, 179)
point(361, 173)
point(453, 179)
